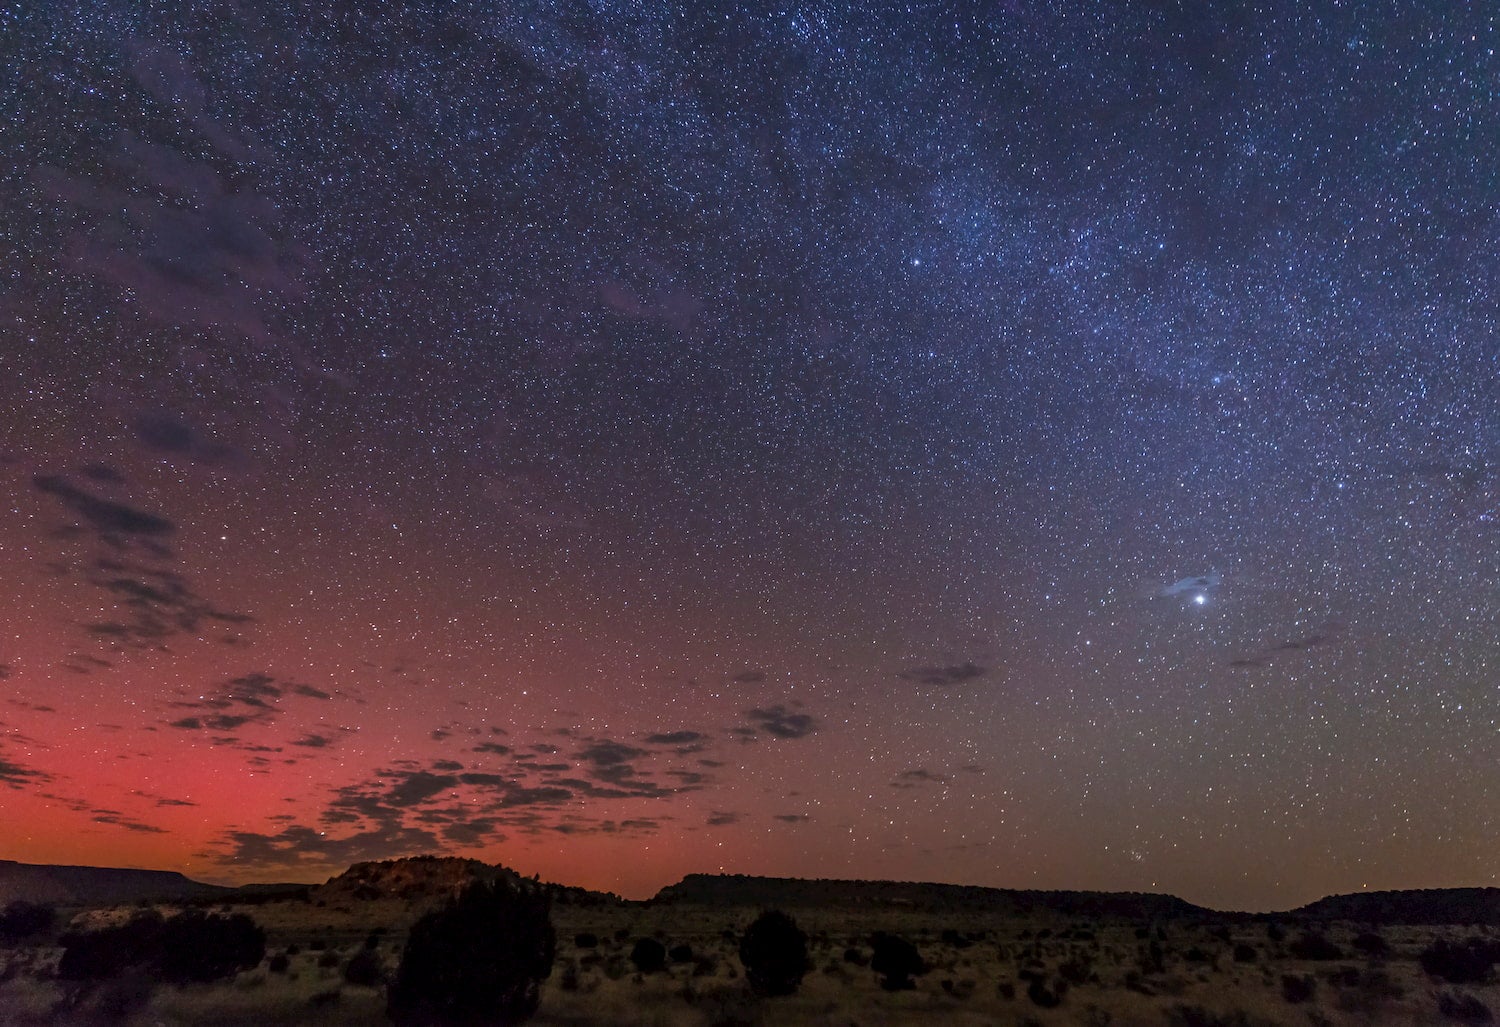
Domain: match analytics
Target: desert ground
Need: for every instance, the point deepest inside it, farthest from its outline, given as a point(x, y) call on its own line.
point(981, 968)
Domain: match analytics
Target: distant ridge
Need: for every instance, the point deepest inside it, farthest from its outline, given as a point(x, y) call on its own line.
point(35, 882)
point(1425, 906)
point(736, 890)
point(423, 878)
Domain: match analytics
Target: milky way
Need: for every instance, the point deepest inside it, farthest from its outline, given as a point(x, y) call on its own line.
point(1055, 447)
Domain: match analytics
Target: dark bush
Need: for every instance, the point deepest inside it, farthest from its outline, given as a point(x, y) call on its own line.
point(896, 960)
point(855, 956)
point(1344, 976)
point(294, 950)
point(365, 968)
point(1197, 954)
point(586, 940)
point(681, 953)
point(950, 936)
point(199, 947)
point(1464, 1008)
point(1078, 970)
point(1470, 963)
point(1197, 1016)
point(328, 960)
point(1275, 932)
point(278, 963)
point(191, 946)
point(1298, 989)
point(774, 952)
point(1244, 953)
point(649, 955)
point(1044, 996)
point(95, 955)
point(22, 920)
point(479, 959)
point(1312, 945)
point(1371, 944)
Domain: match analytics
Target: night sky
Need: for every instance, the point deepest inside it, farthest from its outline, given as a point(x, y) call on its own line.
point(1054, 446)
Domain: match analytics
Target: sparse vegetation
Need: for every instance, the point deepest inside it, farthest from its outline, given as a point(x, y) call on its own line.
point(481, 958)
point(979, 968)
point(774, 953)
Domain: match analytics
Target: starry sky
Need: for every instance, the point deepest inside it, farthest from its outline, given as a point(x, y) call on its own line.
point(1021, 444)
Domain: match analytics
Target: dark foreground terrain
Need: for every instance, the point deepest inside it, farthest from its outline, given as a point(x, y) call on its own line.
point(982, 956)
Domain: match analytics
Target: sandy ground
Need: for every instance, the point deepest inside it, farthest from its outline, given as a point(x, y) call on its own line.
point(977, 975)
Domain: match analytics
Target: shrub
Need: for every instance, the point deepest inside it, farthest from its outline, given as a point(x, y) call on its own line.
point(1197, 1016)
point(480, 958)
point(1298, 989)
point(22, 920)
point(199, 947)
point(1312, 945)
point(649, 956)
point(896, 960)
point(1245, 953)
point(1275, 932)
point(191, 946)
point(1471, 963)
point(1371, 944)
point(774, 952)
point(1464, 1008)
point(950, 936)
point(1043, 996)
point(1078, 970)
point(328, 960)
point(681, 953)
point(95, 955)
point(1344, 976)
point(855, 956)
point(586, 940)
point(364, 968)
point(278, 963)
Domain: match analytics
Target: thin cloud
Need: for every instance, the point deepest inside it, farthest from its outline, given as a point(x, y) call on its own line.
point(940, 676)
point(781, 722)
